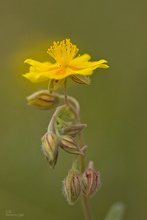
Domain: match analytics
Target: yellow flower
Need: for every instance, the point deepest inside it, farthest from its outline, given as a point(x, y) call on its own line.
point(67, 64)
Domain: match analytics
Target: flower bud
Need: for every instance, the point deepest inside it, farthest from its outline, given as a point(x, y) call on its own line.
point(50, 146)
point(72, 186)
point(43, 100)
point(73, 130)
point(90, 181)
point(68, 144)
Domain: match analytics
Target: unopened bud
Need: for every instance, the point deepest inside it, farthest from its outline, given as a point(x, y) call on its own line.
point(69, 144)
point(50, 146)
point(90, 181)
point(73, 130)
point(72, 186)
point(43, 100)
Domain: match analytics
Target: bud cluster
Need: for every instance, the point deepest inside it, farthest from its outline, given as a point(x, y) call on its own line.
point(75, 183)
point(61, 134)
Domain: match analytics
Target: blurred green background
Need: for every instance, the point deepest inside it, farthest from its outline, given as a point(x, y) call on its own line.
point(114, 107)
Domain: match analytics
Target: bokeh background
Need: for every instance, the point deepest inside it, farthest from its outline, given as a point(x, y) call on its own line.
point(114, 107)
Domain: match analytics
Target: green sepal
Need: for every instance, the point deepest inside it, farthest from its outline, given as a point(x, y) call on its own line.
point(81, 79)
point(54, 84)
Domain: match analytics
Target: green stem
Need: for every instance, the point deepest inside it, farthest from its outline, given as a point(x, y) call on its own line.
point(65, 92)
point(86, 208)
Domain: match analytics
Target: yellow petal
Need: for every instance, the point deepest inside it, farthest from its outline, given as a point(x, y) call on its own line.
point(36, 77)
point(59, 72)
point(84, 72)
point(38, 71)
point(80, 61)
point(38, 66)
point(82, 66)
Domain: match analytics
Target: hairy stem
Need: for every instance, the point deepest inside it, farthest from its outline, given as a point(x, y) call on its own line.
point(86, 208)
point(76, 111)
point(85, 203)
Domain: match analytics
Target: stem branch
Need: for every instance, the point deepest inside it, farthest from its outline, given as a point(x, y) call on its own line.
point(51, 126)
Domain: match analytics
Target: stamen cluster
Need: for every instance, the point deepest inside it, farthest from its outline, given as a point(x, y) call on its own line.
point(63, 52)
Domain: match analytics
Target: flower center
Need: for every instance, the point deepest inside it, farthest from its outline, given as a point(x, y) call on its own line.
point(63, 52)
